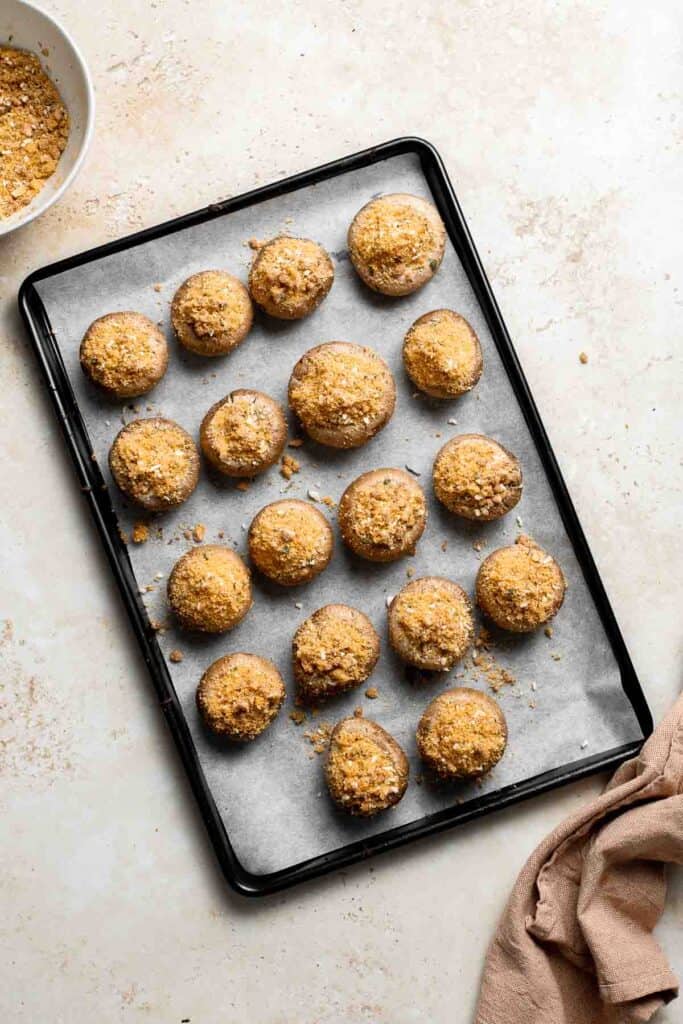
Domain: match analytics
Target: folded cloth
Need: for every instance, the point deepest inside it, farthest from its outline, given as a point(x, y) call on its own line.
point(575, 943)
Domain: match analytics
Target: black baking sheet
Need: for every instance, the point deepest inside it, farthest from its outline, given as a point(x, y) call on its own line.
point(576, 706)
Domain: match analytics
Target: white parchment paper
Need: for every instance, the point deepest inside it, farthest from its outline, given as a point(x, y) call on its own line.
point(271, 793)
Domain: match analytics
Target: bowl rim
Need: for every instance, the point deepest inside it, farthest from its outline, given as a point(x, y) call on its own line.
point(35, 210)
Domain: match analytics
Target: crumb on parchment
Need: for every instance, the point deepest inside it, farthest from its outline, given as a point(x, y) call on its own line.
point(140, 533)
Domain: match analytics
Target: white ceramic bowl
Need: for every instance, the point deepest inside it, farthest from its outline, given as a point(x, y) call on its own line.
point(26, 27)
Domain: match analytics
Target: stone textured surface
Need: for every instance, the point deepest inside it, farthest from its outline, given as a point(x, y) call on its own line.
point(560, 125)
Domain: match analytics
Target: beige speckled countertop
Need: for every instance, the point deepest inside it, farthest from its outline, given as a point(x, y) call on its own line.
point(560, 123)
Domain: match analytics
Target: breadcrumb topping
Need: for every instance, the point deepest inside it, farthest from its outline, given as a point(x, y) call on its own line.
point(462, 733)
point(244, 433)
point(475, 477)
point(211, 313)
point(155, 462)
point(366, 770)
point(342, 387)
point(209, 589)
point(124, 353)
point(240, 695)
point(34, 128)
point(396, 243)
point(290, 277)
point(431, 623)
point(520, 587)
point(442, 355)
point(334, 650)
point(290, 541)
point(383, 513)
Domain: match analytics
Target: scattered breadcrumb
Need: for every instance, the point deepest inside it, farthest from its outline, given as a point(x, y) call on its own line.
point(139, 533)
point(198, 533)
point(255, 244)
point(583, 357)
point(358, 712)
point(556, 656)
point(319, 737)
point(175, 656)
point(372, 693)
point(444, 545)
point(158, 287)
point(548, 631)
point(494, 674)
point(532, 704)
point(327, 500)
point(298, 716)
point(477, 545)
point(157, 626)
point(295, 442)
point(289, 466)
point(483, 640)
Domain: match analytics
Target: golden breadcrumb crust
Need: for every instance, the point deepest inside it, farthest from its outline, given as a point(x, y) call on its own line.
point(244, 433)
point(477, 478)
point(342, 393)
point(211, 313)
point(366, 770)
point(209, 589)
point(442, 354)
point(396, 243)
point(462, 733)
point(239, 696)
point(124, 353)
point(155, 463)
point(520, 587)
point(430, 623)
point(290, 541)
point(382, 514)
point(290, 277)
point(333, 650)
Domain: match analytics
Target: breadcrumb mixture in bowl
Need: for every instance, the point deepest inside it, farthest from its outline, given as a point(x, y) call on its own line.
point(366, 770)
point(334, 650)
point(155, 463)
point(209, 589)
point(396, 243)
point(342, 393)
point(290, 277)
point(382, 515)
point(520, 587)
point(34, 129)
point(125, 354)
point(290, 542)
point(442, 355)
point(240, 695)
point(477, 478)
point(431, 624)
point(211, 313)
point(244, 433)
point(462, 733)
